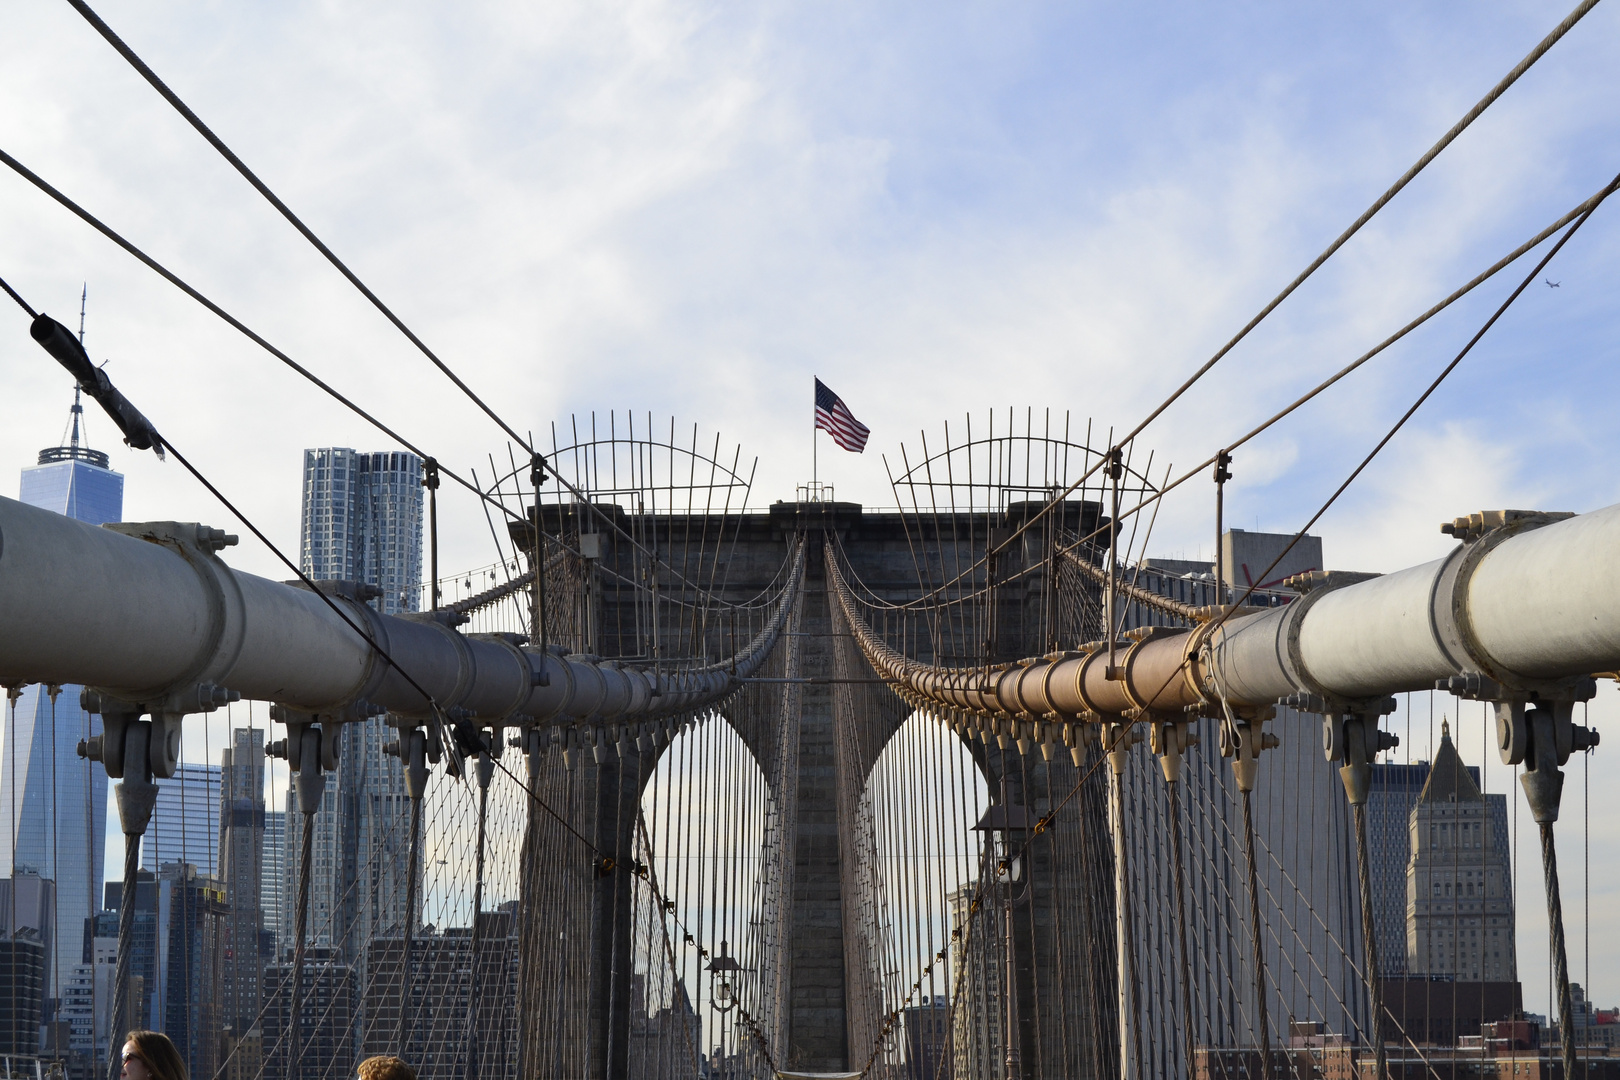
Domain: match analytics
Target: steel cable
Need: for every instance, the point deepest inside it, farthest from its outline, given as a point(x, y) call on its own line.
point(122, 1010)
point(296, 1016)
point(475, 994)
point(1261, 1011)
point(1457, 129)
point(180, 106)
point(1369, 937)
point(1178, 857)
point(1560, 959)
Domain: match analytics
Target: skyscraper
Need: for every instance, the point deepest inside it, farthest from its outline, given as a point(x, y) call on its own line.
point(273, 881)
point(185, 997)
point(1458, 885)
point(1394, 795)
point(53, 803)
point(362, 521)
point(241, 857)
point(185, 821)
point(26, 937)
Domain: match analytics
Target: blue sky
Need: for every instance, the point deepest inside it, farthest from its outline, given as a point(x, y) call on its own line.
point(694, 208)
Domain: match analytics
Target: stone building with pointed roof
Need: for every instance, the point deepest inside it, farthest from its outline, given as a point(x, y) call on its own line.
point(1459, 898)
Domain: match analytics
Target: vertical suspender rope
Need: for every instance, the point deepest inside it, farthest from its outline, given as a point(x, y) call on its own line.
point(486, 772)
point(1178, 856)
point(1129, 922)
point(1124, 965)
point(413, 864)
point(1255, 926)
point(310, 784)
point(295, 1017)
point(136, 794)
point(1369, 936)
point(12, 694)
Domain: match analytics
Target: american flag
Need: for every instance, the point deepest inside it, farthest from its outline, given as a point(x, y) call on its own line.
point(834, 417)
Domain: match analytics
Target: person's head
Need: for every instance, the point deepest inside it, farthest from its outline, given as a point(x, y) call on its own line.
point(386, 1068)
point(149, 1055)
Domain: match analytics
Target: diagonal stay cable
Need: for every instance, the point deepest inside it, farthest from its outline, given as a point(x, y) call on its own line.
point(158, 268)
point(1457, 129)
point(152, 264)
point(1446, 140)
point(1237, 605)
point(259, 185)
point(1423, 397)
point(1479, 279)
point(263, 189)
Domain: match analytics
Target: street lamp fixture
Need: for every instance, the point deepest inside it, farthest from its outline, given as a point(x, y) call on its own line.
point(1008, 826)
point(722, 969)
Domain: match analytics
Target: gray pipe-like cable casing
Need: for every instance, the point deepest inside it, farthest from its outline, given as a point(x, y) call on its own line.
point(1525, 603)
point(141, 612)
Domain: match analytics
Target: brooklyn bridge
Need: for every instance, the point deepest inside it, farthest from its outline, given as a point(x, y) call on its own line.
point(954, 788)
point(693, 780)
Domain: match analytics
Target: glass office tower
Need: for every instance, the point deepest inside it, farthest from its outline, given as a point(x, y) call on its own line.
point(185, 821)
point(53, 803)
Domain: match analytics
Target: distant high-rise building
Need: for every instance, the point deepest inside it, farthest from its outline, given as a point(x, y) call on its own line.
point(75, 480)
point(27, 932)
point(103, 955)
point(53, 803)
point(77, 1009)
point(185, 821)
point(241, 857)
point(186, 998)
point(975, 1038)
point(326, 1021)
point(441, 984)
point(1459, 887)
point(928, 1037)
point(273, 881)
point(362, 522)
point(1393, 797)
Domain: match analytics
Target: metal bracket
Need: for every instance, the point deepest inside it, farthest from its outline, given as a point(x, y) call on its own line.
point(163, 736)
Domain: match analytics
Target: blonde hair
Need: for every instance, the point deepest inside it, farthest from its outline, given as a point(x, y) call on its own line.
point(386, 1068)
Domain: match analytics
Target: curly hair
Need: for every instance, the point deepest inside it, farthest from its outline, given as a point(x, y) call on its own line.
point(159, 1055)
point(386, 1068)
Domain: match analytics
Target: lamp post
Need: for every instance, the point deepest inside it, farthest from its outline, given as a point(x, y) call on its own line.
point(723, 970)
point(722, 999)
point(1007, 826)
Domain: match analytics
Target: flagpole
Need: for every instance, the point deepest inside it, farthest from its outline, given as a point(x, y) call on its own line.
point(815, 443)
